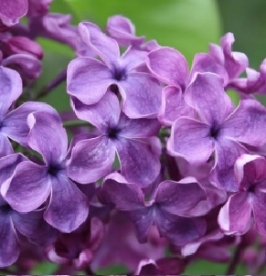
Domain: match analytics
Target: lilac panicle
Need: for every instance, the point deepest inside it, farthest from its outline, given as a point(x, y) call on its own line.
point(220, 129)
point(93, 158)
point(32, 184)
point(88, 79)
point(249, 199)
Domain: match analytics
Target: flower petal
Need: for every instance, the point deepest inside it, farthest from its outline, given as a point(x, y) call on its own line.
point(259, 201)
point(173, 106)
point(14, 124)
point(222, 175)
point(47, 136)
point(169, 66)
point(141, 94)
point(190, 139)
point(9, 250)
point(106, 47)
point(139, 164)
point(27, 188)
point(206, 94)
point(235, 215)
point(88, 79)
point(103, 114)
point(179, 198)
point(247, 123)
point(91, 160)
point(68, 207)
point(10, 90)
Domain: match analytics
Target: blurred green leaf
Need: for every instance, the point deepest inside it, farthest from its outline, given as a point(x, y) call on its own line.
point(44, 268)
point(187, 25)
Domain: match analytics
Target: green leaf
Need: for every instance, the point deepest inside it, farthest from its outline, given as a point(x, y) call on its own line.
point(187, 25)
point(44, 268)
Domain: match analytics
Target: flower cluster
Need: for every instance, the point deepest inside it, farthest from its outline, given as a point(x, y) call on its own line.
point(160, 158)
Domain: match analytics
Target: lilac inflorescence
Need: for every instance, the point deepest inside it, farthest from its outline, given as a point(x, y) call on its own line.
point(162, 159)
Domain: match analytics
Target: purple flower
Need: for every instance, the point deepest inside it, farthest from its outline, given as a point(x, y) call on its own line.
point(88, 79)
point(13, 222)
point(132, 139)
point(249, 199)
point(174, 207)
point(12, 11)
point(219, 128)
point(32, 184)
point(170, 67)
point(234, 62)
point(14, 123)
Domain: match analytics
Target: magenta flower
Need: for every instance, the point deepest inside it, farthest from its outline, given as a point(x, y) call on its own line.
point(219, 128)
point(88, 79)
point(250, 198)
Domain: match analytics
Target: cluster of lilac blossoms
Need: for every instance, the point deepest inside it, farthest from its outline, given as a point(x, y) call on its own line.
point(162, 169)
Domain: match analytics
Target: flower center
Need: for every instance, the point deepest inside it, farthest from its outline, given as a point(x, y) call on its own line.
point(5, 209)
point(54, 169)
point(119, 74)
point(112, 132)
point(214, 132)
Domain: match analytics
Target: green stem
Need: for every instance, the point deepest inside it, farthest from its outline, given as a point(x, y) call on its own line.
point(75, 123)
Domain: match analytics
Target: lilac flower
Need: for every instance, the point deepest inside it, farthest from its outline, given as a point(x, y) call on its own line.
point(88, 79)
point(234, 62)
point(170, 67)
point(32, 184)
point(174, 208)
point(13, 222)
point(14, 123)
point(218, 128)
point(12, 11)
point(249, 199)
point(120, 245)
point(255, 82)
point(133, 140)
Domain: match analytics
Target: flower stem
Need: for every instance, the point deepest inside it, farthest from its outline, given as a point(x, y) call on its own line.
point(235, 260)
point(54, 83)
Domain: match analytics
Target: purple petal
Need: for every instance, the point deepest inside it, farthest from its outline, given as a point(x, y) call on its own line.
point(33, 226)
point(103, 114)
point(106, 47)
point(9, 250)
point(88, 79)
point(27, 65)
point(206, 63)
point(143, 220)
point(125, 196)
point(91, 160)
point(222, 176)
point(247, 123)
point(8, 164)
point(14, 124)
point(190, 139)
point(179, 198)
point(5, 146)
point(139, 164)
point(259, 202)
point(12, 11)
point(235, 215)
point(250, 169)
point(141, 94)
point(180, 230)
point(206, 94)
point(123, 31)
point(132, 58)
point(68, 207)
point(47, 136)
point(137, 128)
point(173, 106)
point(10, 90)
point(169, 66)
point(27, 188)
point(234, 62)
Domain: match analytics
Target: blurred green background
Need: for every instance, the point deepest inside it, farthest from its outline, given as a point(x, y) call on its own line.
point(187, 25)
